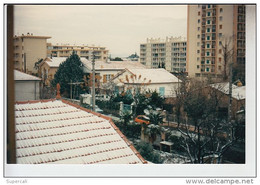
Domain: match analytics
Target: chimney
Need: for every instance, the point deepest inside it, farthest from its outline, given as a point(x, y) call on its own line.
point(58, 91)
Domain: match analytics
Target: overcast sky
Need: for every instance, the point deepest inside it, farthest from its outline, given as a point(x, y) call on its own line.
point(120, 28)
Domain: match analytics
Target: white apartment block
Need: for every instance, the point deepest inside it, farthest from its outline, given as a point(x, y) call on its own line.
point(101, 53)
point(28, 49)
point(170, 51)
point(209, 28)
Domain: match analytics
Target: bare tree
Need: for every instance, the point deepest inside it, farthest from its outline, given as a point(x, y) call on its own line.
point(205, 132)
point(227, 52)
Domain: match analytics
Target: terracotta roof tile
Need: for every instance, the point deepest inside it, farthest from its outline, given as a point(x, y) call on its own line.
point(57, 131)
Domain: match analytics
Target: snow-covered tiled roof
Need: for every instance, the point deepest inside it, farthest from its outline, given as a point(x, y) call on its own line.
point(18, 75)
point(55, 61)
point(113, 65)
point(58, 133)
point(155, 75)
point(238, 93)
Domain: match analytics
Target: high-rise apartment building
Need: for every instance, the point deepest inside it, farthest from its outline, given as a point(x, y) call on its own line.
point(211, 29)
point(28, 49)
point(170, 52)
point(101, 53)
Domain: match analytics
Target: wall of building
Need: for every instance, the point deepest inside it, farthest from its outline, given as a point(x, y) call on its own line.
point(193, 57)
point(35, 49)
point(27, 90)
point(222, 19)
point(47, 73)
point(29, 47)
point(170, 51)
point(169, 88)
point(101, 53)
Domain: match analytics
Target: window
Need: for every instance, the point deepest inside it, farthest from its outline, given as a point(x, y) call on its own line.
point(208, 21)
point(162, 91)
point(208, 61)
point(221, 10)
point(198, 28)
point(219, 51)
point(198, 13)
point(219, 68)
point(219, 59)
point(208, 6)
point(208, 53)
point(198, 51)
point(208, 45)
point(208, 13)
point(220, 26)
point(220, 18)
point(208, 29)
point(220, 35)
point(198, 20)
point(220, 43)
point(207, 69)
point(208, 37)
point(198, 36)
point(198, 66)
point(198, 58)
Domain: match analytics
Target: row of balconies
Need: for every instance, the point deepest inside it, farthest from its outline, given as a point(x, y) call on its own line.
point(203, 54)
point(207, 61)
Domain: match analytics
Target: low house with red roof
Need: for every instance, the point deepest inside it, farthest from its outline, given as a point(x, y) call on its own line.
point(159, 80)
point(58, 132)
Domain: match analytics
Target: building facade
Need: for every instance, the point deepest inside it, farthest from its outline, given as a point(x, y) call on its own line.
point(27, 87)
point(101, 53)
point(147, 79)
point(211, 29)
point(170, 53)
point(28, 49)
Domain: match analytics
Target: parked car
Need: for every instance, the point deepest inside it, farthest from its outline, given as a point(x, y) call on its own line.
point(142, 119)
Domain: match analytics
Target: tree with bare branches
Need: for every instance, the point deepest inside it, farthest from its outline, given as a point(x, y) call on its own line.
point(205, 133)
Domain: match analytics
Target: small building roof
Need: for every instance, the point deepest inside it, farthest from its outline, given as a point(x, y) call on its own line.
point(238, 93)
point(59, 132)
point(21, 76)
point(113, 65)
point(155, 75)
point(54, 61)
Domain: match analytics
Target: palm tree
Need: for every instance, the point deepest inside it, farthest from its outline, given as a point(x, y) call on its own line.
point(154, 128)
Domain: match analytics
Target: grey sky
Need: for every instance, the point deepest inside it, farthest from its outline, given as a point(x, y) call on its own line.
point(120, 28)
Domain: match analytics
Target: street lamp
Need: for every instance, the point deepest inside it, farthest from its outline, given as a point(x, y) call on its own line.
point(93, 82)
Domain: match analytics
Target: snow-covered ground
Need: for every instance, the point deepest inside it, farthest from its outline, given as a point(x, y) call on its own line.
point(170, 158)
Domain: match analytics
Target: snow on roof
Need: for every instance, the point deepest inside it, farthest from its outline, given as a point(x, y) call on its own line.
point(18, 75)
point(56, 131)
point(114, 65)
point(155, 75)
point(238, 93)
point(55, 61)
point(166, 143)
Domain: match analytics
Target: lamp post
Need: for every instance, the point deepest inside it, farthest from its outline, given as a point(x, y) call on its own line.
point(93, 83)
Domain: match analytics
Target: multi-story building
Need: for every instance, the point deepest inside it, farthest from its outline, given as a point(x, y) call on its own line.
point(213, 31)
point(101, 53)
point(28, 49)
point(170, 53)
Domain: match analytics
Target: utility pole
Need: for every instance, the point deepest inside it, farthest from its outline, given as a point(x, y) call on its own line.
point(93, 83)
